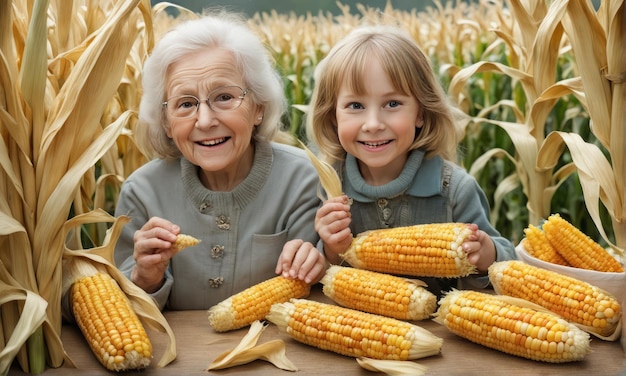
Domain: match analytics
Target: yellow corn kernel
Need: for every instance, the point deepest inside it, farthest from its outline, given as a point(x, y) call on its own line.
point(429, 250)
point(254, 303)
point(183, 241)
point(378, 293)
point(353, 333)
point(109, 324)
point(498, 323)
point(538, 246)
point(574, 300)
point(577, 248)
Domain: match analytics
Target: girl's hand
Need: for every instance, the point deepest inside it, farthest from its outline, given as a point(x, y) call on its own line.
point(332, 223)
point(301, 260)
point(480, 249)
point(152, 253)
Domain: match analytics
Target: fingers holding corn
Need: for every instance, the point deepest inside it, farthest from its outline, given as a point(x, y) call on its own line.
point(332, 223)
point(155, 243)
point(480, 249)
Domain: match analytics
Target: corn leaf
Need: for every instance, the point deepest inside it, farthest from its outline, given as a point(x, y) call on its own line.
point(525, 79)
point(35, 68)
point(545, 47)
point(12, 113)
point(74, 116)
point(594, 171)
point(48, 240)
point(544, 104)
point(588, 42)
point(30, 320)
point(616, 74)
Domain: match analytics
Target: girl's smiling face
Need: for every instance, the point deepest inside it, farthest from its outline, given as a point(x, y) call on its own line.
point(377, 126)
point(219, 142)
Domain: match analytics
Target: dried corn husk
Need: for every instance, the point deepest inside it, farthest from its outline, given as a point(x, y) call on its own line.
point(32, 320)
point(392, 367)
point(247, 351)
point(329, 179)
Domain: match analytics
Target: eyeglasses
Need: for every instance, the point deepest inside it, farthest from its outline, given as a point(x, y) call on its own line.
point(222, 99)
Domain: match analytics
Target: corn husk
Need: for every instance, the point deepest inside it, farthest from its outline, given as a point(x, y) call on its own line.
point(247, 351)
point(329, 179)
point(392, 367)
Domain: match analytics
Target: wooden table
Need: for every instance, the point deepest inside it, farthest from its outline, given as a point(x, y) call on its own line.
point(198, 345)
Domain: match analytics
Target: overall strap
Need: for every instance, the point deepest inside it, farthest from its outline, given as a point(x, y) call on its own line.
point(446, 176)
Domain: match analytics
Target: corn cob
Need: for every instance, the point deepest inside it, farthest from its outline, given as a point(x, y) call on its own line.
point(378, 293)
point(577, 248)
point(183, 241)
point(572, 299)
point(254, 303)
point(538, 246)
point(353, 333)
point(510, 325)
point(430, 250)
point(109, 324)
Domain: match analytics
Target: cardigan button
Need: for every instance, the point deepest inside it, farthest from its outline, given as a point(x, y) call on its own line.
point(382, 202)
point(223, 222)
point(217, 251)
point(216, 282)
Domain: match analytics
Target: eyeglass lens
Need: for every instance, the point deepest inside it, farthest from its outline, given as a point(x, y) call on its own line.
point(224, 98)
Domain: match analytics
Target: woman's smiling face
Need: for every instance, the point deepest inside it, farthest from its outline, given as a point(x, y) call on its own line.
point(219, 142)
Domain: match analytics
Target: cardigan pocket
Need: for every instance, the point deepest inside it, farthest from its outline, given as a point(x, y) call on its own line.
point(266, 249)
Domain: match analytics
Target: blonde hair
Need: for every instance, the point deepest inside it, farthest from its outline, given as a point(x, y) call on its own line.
point(216, 29)
point(408, 69)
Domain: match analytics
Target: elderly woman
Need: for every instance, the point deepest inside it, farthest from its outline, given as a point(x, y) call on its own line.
point(212, 103)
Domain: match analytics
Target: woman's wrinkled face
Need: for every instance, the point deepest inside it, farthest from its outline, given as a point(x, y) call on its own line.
point(216, 140)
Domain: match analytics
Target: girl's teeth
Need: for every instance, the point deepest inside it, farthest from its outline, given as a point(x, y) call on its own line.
point(375, 143)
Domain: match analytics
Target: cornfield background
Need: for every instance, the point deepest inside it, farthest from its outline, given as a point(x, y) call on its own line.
point(544, 99)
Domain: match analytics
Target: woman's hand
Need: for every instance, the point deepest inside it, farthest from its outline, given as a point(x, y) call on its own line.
point(332, 223)
point(152, 253)
point(480, 249)
point(301, 260)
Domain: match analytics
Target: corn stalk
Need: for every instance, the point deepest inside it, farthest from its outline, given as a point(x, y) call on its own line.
point(56, 80)
point(532, 49)
point(597, 40)
point(543, 32)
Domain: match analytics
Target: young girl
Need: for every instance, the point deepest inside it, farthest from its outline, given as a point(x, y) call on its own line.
point(380, 117)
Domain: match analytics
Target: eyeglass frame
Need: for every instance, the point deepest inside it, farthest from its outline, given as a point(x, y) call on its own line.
point(207, 101)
